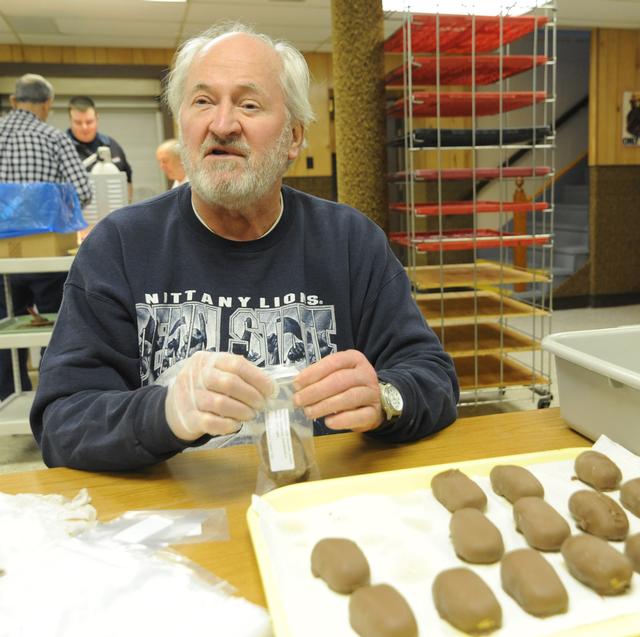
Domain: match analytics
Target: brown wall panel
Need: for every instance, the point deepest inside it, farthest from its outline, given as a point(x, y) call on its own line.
point(320, 137)
point(615, 68)
point(614, 230)
point(83, 55)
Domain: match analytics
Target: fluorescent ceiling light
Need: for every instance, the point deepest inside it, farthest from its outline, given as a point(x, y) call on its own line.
point(465, 7)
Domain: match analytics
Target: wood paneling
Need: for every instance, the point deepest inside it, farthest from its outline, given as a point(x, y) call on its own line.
point(84, 55)
point(615, 68)
point(320, 144)
point(614, 230)
point(319, 135)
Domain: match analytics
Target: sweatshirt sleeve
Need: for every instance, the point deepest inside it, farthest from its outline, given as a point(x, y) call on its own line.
point(406, 353)
point(90, 411)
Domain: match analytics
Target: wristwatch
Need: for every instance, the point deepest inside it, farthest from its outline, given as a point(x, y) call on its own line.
point(391, 401)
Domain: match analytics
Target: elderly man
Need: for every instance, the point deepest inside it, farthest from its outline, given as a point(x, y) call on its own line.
point(32, 151)
point(255, 270)
point(83, 132)
point(168, 156)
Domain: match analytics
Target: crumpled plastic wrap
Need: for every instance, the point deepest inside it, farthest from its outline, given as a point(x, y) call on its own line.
point(60, 582)
point(31, 208)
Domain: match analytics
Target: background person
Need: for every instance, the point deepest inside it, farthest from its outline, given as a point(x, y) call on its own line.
point(168, 156)
point(633, 118)
point(254, 261)
point(32, 151)
point(83, 132)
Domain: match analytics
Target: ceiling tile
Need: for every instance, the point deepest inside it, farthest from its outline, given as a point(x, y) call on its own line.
point(8, 38)
point(32, 24)
point(301, 44)
point(603, 13)
point(95, 9)
point(136, 42)
point(300, 33)
point(117, 27)
point(323, 4)
point(305, 23)
point(261, 14)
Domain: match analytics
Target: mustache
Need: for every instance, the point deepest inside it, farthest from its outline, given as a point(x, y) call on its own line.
point(213, 141)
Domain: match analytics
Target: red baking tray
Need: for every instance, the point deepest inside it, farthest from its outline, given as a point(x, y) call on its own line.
point(468, 207)
point(466, 240)
point(461, 103)
point(456, 174)
point(458, 69)
point(462, 33)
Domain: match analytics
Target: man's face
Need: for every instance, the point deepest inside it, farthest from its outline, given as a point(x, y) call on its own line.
point(236, 137)
point(168, 163)
point(84, 124)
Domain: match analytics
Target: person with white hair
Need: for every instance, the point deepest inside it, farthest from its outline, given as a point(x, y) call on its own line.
point(168, 156)
point(33, 151)
point(226, 272)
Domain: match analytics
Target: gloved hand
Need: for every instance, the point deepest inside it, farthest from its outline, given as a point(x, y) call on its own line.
point(213, 393)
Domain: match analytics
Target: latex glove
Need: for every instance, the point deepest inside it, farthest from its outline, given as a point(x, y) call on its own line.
point(342, 388)
point(213, 393)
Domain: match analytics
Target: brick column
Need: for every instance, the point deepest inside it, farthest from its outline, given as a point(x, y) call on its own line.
point(358, 71)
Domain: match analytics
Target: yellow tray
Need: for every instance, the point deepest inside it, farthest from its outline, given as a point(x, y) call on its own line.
point(297, 497)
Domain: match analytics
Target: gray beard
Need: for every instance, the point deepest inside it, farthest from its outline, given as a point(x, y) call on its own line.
point(246, 184)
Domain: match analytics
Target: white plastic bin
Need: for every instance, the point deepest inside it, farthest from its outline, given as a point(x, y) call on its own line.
point(599, 382)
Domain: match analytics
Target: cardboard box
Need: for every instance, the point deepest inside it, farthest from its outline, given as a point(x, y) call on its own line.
point(46, 244)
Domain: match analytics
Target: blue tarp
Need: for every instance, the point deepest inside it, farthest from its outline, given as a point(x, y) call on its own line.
point(31, 208)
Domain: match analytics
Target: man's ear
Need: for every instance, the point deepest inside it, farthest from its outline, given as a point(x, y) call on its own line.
point(297, 138)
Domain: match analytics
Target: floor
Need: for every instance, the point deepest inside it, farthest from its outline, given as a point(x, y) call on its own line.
point(20, 453)
point(561, 321)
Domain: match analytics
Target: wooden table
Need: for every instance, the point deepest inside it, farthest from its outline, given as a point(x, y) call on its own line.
point(227, 477)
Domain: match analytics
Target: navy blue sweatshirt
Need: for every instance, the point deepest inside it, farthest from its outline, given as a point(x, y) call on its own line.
point(151, 285)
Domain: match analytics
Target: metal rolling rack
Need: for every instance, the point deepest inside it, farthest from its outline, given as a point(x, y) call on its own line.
point(15, 332)
point(462, 130)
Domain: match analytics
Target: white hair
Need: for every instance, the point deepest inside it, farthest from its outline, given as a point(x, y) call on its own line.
point(172, 145)
point(33, 89)
point(294, 77)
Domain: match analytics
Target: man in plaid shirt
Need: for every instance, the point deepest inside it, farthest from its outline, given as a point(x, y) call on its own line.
point(31, 150)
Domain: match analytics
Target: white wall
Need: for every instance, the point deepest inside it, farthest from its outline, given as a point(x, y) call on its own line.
point(136, 124)
point(128, 111)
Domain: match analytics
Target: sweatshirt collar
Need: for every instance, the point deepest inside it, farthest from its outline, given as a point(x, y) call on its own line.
point(275, 223)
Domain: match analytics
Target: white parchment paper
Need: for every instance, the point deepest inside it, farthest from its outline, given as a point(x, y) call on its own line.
point(406, 540)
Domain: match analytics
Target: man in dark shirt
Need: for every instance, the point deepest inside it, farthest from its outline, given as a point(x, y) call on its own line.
point(32, 151)
point(86, 138)
point(175, 305)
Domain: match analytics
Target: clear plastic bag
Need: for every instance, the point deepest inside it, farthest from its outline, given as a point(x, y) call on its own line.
point(159, 528)
point(283, 436)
